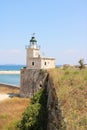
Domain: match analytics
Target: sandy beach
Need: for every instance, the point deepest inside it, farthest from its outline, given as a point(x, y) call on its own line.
point(9, 72)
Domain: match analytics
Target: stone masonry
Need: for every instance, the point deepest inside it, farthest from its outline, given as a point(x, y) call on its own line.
point(31, 81)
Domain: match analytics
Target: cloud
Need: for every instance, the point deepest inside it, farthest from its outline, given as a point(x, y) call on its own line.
point(70, 52)
point(13, 51)
point(12, 56)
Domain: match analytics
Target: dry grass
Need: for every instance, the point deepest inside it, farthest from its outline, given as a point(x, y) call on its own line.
point(71, 85)
point(11, 109)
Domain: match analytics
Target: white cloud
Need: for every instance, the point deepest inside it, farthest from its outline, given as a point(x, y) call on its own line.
point(15, 51)
point(70, 52)
point(12, 56)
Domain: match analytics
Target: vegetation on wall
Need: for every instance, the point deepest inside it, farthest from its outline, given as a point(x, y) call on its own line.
point(35, 116)
point(71, 87)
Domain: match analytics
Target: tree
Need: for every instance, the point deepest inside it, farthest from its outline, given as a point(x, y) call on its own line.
point(81, 62)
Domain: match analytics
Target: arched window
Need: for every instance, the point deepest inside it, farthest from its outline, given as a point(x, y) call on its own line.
point(44, 63)
point(33, 63)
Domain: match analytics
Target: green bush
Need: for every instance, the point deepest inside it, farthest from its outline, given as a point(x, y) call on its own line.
point(35, 116)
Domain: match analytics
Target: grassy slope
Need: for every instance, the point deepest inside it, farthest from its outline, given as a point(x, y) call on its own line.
point(11, 109)
point(71, 85)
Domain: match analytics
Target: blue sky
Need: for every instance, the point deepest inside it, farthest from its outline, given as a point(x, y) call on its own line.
point(60, 27)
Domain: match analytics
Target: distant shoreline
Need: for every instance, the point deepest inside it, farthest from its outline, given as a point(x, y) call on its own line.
point(8, 91)
point(9, 85)
point(9, 72)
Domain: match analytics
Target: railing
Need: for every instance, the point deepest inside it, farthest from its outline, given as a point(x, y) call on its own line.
point(30, 46)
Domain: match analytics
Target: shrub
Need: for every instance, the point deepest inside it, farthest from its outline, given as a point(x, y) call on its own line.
point(35, 116)
point(81, 62)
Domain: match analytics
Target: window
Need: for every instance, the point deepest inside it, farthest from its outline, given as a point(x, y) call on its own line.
point(44, 63)
point(32, 63)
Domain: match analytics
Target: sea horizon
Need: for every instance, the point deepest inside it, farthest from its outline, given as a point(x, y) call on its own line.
point(10, 79)
point(6, 67)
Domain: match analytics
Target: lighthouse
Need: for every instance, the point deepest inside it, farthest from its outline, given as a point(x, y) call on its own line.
point(34, 59)
point(31, 77)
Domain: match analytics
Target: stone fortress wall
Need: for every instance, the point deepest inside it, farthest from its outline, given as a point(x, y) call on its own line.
point(31, 81)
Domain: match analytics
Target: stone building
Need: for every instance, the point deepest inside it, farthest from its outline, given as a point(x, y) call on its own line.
point(34, 60)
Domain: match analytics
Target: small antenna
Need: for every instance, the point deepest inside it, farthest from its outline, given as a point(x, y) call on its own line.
point(33, 34)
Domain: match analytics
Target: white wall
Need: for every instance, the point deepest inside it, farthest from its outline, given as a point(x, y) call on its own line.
point(47, 63)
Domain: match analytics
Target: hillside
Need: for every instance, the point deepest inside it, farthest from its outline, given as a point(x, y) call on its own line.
point(71, 88)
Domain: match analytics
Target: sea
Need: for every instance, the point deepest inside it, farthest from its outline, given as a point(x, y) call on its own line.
point(10, 79)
